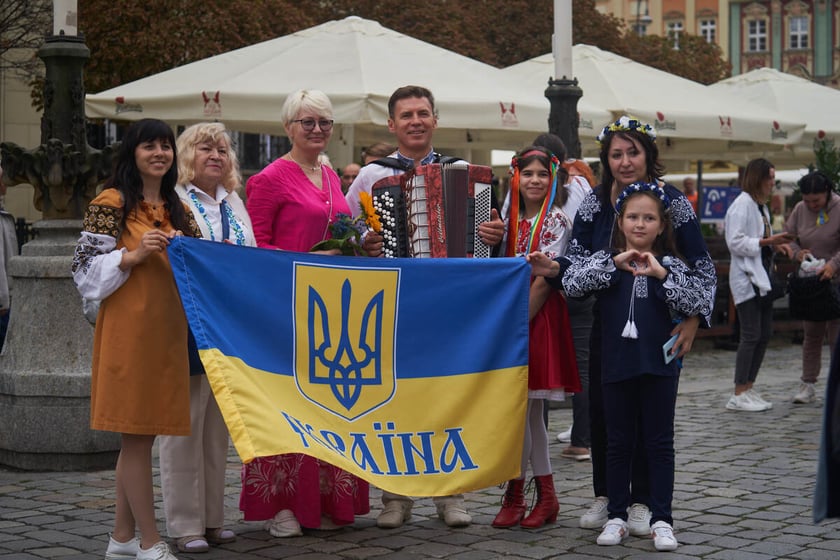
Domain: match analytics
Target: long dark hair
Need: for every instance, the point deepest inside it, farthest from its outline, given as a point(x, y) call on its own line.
point(654, 169)
point(543, 155)
point(127, 179)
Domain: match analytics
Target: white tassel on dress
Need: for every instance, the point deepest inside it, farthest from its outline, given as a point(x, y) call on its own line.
point(630, 330)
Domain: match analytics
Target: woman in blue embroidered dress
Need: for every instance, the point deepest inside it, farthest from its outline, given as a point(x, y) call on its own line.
point(628, 154)
point(193, 467)
point(642, 287)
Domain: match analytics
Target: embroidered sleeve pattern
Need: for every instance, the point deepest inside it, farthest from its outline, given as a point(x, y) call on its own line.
point(589, 207)
point(589, 274)
point(693, 247)
point(555, 234)
point(96, 260)
point(681, 212)
point(89, 246)
point(103, 220)
point(581, 239)
point(686, 291)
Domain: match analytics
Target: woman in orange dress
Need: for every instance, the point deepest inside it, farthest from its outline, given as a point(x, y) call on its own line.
point(140, 373)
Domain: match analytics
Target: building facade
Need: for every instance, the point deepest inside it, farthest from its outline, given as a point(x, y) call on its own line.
point(801, 37)
point(795, 36)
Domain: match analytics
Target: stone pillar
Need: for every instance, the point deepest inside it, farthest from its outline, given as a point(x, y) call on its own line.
point(46, 360)
point(45, 363)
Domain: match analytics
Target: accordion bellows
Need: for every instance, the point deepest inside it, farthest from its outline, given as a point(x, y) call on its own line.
point(434, 210)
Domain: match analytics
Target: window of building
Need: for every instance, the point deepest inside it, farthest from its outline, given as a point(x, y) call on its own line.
point(757, 35)
point(798, 26)
point(641, 17)
point(675, 28)
point(708, 29)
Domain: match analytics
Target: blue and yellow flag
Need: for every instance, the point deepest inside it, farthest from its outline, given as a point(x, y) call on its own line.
point(411, 374)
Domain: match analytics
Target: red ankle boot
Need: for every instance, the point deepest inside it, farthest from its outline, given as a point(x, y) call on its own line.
point(513, 505)
point(547, 506)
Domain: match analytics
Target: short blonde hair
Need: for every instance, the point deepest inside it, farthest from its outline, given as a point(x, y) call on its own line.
point(211, 133)
point(313, 99)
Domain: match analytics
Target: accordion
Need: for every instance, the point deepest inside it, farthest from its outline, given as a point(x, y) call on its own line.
point(434, 210)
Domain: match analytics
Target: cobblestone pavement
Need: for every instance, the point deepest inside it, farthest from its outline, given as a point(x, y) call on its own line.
point(744, 489)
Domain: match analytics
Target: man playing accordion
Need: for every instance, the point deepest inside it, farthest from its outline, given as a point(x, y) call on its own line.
point(412, 119)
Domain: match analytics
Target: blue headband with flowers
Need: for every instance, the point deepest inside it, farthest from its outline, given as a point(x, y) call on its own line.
point(634, 188)
point(627, 124)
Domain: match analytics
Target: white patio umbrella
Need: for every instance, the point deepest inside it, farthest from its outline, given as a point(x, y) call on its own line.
point(692, 121)
point(358, 64)
point(816, 105)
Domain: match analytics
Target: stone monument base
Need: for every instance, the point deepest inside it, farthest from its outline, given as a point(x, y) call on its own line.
point(45, 363)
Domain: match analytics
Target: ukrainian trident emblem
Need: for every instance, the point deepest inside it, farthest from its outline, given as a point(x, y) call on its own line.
point(345, 322)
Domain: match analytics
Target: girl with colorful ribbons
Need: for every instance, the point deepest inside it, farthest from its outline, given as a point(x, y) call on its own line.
point(536, 222)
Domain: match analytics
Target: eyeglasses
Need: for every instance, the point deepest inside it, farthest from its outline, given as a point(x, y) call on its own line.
point(309, 124)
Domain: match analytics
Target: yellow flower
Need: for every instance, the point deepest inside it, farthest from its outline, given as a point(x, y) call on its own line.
point(366, 206)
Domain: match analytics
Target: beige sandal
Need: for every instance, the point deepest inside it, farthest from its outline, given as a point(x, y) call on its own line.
point(192, 543)
point(219, 535)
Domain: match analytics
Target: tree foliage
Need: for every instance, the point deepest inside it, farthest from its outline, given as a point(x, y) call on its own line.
point(130, 40)
point(23, 26)
point(827, 159)
point(695, 59)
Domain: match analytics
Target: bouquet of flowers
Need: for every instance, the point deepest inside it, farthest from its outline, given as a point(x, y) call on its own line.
point(346, 231)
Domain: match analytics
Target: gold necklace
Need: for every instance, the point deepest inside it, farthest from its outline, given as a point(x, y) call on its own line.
point(313, 168)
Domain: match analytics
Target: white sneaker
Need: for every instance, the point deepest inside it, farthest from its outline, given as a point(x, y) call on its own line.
point(743, 402)
point(638, 520)
point(283, 524)
point(596, 515)
point(663, 536)
point(159, 551)
point(756, 396)
point(565, 437)
point(615, 531)
point(807, 394)
point(122, 551)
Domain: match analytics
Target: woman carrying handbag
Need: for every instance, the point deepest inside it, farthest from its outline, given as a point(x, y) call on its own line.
point(815, 223)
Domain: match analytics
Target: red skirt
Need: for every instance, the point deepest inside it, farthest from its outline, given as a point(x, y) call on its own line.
point(552, 365)
point(310, 488)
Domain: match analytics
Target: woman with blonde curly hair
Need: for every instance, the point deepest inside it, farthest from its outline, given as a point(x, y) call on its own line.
point(193, 467)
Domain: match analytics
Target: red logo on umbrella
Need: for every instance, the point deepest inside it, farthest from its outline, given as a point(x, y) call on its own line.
point(509, 115)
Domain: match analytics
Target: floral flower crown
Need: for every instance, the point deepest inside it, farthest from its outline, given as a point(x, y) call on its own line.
point(634, 188)
point(627, 124)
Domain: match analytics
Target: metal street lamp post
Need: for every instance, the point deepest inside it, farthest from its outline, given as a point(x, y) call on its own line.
point(563, 92)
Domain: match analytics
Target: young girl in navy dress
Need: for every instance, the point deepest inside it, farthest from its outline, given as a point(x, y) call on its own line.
point(643, 288)
point(536, 222)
